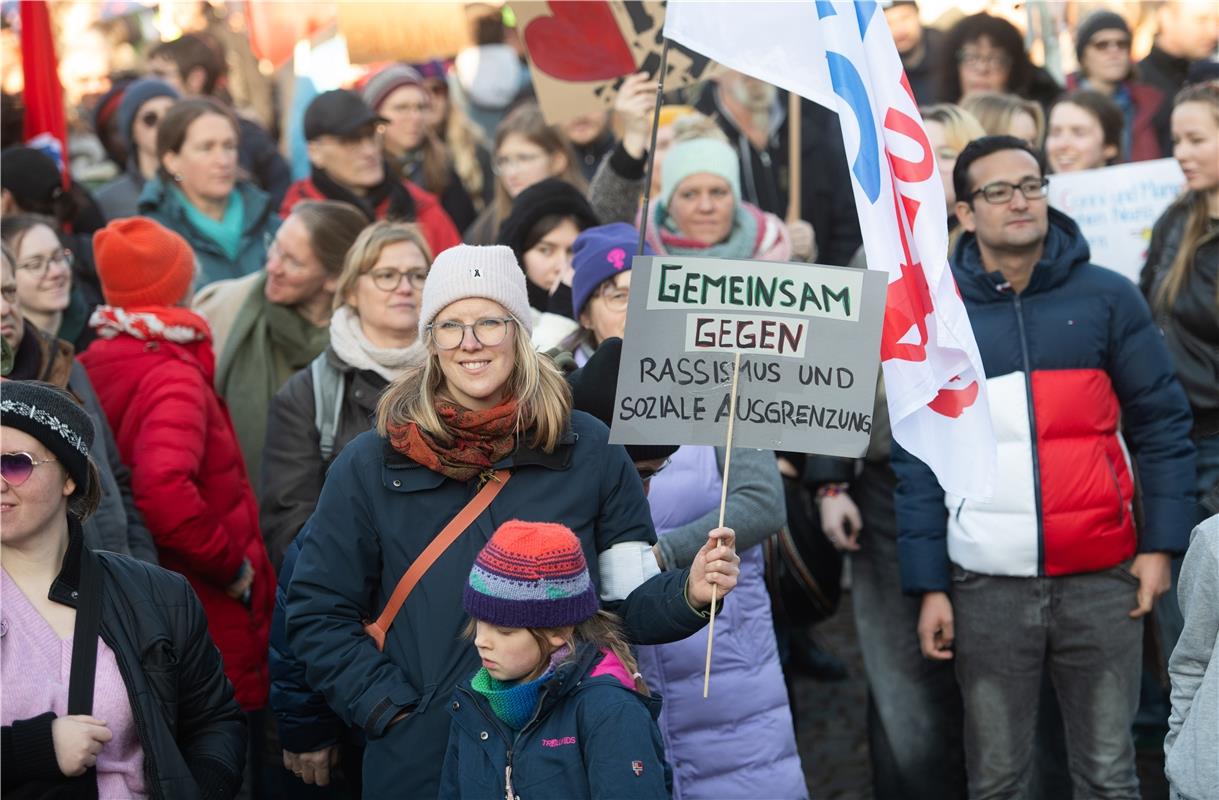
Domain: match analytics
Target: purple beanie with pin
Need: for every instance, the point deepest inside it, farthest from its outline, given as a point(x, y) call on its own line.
point(600, 254)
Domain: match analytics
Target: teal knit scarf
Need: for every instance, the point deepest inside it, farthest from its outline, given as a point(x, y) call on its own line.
point(514, 703)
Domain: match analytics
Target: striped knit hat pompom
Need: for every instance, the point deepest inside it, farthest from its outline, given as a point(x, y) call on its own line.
point(531, 575)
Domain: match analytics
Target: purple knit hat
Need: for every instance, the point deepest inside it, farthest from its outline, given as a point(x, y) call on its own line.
point(531, 575)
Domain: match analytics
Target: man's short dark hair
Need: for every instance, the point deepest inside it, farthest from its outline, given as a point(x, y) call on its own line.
point(188, 52)
point(985, 146)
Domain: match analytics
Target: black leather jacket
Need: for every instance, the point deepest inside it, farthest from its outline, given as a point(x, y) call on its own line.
point(191, 730)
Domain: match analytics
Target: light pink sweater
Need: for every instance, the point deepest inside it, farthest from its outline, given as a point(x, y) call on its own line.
point(34, 669)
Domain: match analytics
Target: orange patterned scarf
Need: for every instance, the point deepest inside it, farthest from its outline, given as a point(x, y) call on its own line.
point(480, 439)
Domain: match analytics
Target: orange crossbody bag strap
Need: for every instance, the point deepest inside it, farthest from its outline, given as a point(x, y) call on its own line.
point(456, 527)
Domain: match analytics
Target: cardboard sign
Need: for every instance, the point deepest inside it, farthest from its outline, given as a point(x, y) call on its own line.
point(1116, 207)
point(581, 50)
point(809, 338)
point(411, 32)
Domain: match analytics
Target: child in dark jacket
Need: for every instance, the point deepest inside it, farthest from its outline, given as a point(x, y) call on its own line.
point(557, 709)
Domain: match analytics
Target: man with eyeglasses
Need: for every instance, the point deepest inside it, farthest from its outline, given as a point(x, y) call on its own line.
point(344, 141)
point(1051, 573)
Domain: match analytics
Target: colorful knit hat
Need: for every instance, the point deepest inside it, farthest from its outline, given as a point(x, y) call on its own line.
point(531, 575)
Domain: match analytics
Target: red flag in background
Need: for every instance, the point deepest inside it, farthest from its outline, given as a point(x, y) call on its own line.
point(45, 125)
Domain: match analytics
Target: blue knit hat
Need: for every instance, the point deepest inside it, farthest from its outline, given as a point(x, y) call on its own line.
point(137, 94)
point(531, 575)
point(600, 254)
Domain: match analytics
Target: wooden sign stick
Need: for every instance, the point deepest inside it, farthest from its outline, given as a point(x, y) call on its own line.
point(736, 374)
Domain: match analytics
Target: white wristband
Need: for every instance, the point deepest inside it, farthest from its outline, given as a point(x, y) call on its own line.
point(624, 567)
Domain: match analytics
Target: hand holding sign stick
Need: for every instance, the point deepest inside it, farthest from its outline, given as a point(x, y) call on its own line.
point(736, 375)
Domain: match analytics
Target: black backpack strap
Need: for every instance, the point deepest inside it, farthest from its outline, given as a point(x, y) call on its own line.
point(85, 634)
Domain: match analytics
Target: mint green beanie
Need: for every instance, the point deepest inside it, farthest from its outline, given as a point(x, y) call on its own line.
point(699, 155)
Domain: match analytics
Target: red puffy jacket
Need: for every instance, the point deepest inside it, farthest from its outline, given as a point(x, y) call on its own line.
point(153, 369)
point(430, 216)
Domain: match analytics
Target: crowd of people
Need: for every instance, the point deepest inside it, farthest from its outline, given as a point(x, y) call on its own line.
point(322, 465)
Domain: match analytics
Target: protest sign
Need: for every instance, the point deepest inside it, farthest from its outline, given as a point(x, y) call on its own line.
point(580, 51)
point(1116, 207)
point(809, 340)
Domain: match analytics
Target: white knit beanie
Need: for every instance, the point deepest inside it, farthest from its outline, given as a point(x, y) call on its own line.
point(467, 271)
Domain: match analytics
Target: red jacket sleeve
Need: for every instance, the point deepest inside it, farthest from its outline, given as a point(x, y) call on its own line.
point(439, 230)
point(168, 456)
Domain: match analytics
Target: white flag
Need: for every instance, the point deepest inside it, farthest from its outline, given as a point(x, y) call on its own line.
point(841, 55)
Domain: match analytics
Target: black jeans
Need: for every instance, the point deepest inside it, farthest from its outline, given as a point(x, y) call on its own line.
point(1009, 632)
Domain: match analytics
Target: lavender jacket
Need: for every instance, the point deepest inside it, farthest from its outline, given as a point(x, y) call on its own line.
point(740, 742)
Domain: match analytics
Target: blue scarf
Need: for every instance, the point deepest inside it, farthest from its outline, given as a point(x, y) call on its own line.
point(226, 233)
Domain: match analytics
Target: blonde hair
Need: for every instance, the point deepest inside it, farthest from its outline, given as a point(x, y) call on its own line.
point(960, 127)
point(526, 120)
point(1197, 218)
point(543, 396)
point(995, 112)
point(464, 141)
point(366, 249)
point(696, 126)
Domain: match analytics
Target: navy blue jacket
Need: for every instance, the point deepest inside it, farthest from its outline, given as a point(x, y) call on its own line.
point(306, 722)
point(377, 512)
point(592, 737)
point(1078, 381)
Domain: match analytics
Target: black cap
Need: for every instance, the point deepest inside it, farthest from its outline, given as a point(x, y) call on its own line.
point(338, 112)
point(593, 387)
point(32, 177)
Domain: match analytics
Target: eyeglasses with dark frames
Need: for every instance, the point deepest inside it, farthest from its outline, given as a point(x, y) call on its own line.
point(39, 264)
point(387, 279)
point(1000, 192)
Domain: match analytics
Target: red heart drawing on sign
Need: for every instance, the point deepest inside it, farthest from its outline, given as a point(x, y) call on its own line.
point(579, 41)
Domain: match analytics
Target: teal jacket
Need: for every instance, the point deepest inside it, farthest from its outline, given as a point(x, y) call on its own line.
point(166, 207)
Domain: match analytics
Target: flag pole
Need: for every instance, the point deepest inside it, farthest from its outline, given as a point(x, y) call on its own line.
point(736, 374)
point(647, 178)
point(794, 212)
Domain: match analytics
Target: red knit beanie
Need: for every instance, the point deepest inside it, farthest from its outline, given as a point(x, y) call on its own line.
point(142, 263)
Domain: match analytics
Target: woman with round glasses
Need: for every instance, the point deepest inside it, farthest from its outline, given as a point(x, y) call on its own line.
point(985, 53)
point(110, 685)
point(45, 286)
point(374, 338)
point(483, 401)
point(527, 151)
point(272, 323)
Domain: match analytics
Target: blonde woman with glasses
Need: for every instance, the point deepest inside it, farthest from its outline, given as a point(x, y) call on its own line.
point(484, 409)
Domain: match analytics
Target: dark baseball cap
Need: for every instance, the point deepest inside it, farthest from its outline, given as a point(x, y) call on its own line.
point(338, 112)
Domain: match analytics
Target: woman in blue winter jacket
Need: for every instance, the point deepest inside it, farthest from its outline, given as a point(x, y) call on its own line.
point(557, 708)
point(482, 404)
